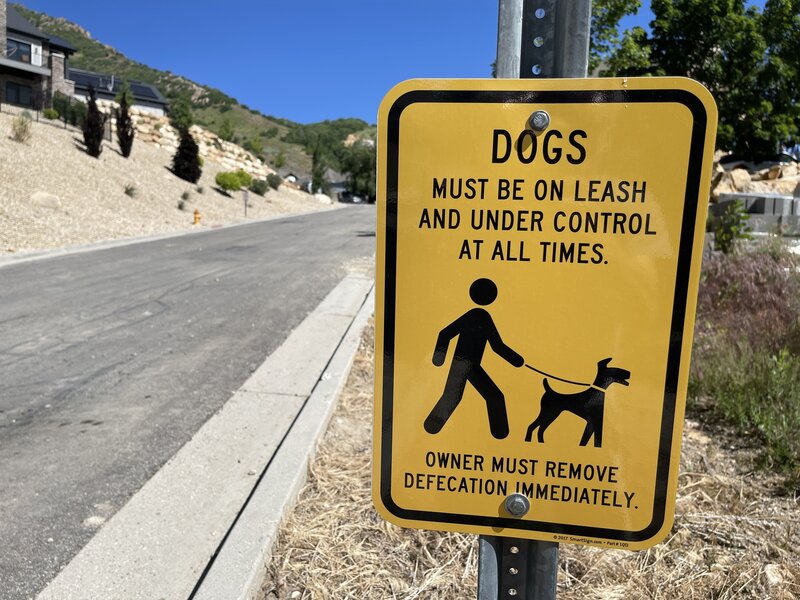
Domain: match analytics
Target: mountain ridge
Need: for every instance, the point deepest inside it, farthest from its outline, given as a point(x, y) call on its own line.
point(284, 144)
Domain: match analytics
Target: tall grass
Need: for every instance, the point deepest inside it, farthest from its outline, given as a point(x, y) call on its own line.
point(746, 363)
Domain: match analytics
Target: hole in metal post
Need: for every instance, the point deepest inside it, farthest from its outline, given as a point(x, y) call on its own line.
point(538, 41)
point(539, 13)
point(514, 550)
point(536, 69)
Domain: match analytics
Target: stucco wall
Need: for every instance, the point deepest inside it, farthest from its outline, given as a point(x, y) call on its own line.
point(3, 24)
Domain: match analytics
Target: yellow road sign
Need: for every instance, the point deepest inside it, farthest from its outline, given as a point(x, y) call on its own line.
point(535, 303)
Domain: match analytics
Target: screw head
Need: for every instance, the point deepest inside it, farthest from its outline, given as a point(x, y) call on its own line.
point(517, 505)
point(539, 120)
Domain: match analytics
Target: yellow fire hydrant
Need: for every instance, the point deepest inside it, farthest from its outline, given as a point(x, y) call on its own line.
point(196, 217)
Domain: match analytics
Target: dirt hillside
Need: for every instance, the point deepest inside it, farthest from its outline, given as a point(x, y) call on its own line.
point(52, 194)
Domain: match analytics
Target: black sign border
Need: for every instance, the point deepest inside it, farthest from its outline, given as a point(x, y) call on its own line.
point(691, 199)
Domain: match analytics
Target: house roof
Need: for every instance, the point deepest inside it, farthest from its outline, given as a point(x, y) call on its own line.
point(16, 22)
point(108, 86)
point(57, 42)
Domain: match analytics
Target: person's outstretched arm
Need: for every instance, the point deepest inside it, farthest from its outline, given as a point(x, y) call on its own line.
point(497, 344)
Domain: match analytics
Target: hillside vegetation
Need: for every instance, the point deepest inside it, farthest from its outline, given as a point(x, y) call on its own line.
point(277, 140)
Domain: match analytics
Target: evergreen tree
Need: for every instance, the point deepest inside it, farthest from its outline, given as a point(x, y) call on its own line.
point(94, 126)
point(186, 162)
point(125, 129)
point(180, 114)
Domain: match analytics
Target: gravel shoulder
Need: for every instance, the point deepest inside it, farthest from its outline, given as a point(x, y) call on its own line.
point(52, 194)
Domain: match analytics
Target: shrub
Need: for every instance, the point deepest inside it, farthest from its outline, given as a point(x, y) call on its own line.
point(259, 186)
point(125, 129)
point(185, 195)
point(200, 189)
point(130, 190)
point(21, 128)
point(254, 145)
point(51, 113)
point(226, 130)
point(94, 126)
point(181, 204)
point(274, 180)
point(186, 162)
point(229, 181)
point(244, 178)
point(77, 113)
point(730, 227)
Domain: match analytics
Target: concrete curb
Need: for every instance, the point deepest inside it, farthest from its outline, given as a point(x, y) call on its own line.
point(239, 569)
point(175, 538)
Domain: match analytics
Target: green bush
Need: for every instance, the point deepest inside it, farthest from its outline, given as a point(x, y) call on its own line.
point(274, 180)
point(76, 113)
point(259, 186)
point(228, 181)
point(51, 113)
point(254, 145)
point(730, 227)
point(21, 128)
point(245, 180)
point(130, 190)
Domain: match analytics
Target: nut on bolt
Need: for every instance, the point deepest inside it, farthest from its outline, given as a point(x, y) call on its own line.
point(517, 505)
point(539, 121)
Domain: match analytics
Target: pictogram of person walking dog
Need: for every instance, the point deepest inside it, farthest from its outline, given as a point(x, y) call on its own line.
point(475, 329)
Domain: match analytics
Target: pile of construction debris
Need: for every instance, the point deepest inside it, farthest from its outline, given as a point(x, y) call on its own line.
point(781, 178)
point(768, 193)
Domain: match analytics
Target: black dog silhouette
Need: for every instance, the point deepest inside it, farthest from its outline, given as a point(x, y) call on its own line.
point(588, 404)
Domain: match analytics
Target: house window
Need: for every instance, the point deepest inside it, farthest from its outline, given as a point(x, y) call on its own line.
point(19, 94)
point(18, 51)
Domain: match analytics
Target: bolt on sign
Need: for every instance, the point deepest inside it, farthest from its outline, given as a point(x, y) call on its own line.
point(539, 249)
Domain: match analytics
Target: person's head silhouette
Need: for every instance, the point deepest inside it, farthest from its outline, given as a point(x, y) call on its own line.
point(483, 291)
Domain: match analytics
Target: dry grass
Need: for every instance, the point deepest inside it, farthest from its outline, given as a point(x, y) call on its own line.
point(735, 536)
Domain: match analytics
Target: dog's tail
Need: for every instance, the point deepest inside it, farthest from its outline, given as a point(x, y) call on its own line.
point(547, 387)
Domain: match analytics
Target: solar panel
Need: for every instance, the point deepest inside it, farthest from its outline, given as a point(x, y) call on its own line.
point(143, 91)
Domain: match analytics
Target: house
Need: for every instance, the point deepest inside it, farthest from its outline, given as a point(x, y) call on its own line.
point(145, 96)
point(33, 64)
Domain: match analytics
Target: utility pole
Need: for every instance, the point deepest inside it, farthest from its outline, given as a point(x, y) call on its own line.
point(535, 39)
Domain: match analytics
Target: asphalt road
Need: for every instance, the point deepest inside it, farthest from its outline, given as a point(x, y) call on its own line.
point(110, 360)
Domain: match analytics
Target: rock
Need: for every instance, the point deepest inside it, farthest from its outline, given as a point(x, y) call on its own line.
point(723, 186)
point(787, 186)
point(46, 200)
point(774, 575)
point(740, 178)
point(790, 170)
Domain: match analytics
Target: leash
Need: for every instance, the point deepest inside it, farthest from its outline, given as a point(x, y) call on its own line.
point(558, 378)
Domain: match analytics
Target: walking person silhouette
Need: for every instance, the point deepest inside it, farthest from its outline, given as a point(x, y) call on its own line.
point(474, 329)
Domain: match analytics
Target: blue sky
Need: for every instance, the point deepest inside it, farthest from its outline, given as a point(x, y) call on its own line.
point(305, 60)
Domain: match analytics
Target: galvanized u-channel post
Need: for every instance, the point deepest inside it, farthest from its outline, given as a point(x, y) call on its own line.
point(535, 39)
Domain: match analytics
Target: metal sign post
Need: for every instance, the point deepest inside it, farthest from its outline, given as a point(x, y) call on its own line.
point(535, 39)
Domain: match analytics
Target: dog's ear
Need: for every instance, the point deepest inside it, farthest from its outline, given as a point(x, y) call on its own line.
point(604, 362)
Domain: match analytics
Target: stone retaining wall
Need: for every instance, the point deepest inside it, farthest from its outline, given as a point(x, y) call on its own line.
point(157, 131)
